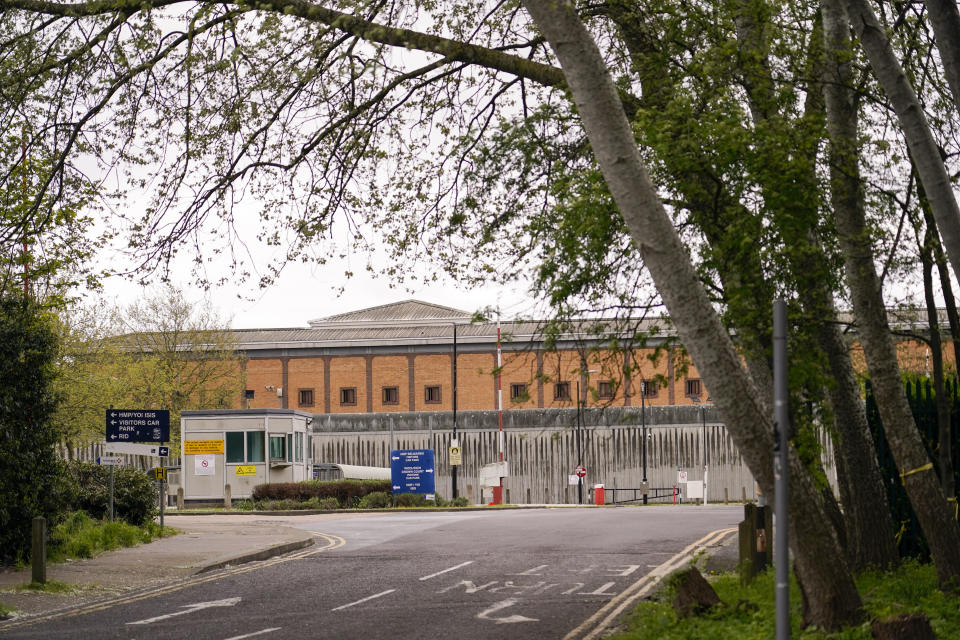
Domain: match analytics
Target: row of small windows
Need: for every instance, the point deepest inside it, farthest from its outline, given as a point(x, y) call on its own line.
point(518, 392)
point(248, 446)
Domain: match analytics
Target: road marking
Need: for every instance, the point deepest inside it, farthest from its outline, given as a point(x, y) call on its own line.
point(255, 633)
point(602, 591)
point(504, 604)
point(333, 542)
point(610, 611)
point(440, 573)
point(367, 599)
point(190, 608)
point(531, 572)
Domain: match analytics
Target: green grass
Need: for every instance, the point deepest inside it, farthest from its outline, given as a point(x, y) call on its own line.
point(50, 586)
point(80, 536)
point(750, 612)
point(5, 611)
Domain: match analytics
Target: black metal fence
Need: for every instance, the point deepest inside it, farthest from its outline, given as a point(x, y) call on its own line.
point(910, 540)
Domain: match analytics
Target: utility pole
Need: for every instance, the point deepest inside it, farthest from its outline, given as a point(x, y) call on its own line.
point(454, 441)
point(643, 434)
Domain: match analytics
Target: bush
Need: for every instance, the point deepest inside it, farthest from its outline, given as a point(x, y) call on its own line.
point(134, 493)
point(31, 475)
point(411, 500)
point(346, 492)
point(460, 501)
point(80, 536)
point(325, 504)
point(376, 500)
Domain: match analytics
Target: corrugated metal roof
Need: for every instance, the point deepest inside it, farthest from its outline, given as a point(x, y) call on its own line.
point(404, 312)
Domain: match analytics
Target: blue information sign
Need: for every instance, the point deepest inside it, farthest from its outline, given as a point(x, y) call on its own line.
point(138, 425)
point(411, 471)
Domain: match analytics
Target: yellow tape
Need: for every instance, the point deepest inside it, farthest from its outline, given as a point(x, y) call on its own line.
point(904, 474)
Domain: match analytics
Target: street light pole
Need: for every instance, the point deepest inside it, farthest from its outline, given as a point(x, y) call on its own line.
point(643, 435)
point(453, 468)
point(579, 447)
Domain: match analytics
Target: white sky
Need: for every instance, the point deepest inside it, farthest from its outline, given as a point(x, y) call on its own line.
point(306, 292)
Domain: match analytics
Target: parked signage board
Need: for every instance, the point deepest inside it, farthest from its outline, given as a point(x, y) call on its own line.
point(198, 447)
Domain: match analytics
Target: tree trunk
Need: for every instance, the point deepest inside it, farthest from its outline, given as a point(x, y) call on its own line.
point(818, 558)
point(945, 285)
point(870, 532)
point(913, 122)
point(945, 465)
point(929, 503)
point(868, 525)
point(945, 20)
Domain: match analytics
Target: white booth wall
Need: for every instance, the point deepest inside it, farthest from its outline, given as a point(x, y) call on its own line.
point(242, 448)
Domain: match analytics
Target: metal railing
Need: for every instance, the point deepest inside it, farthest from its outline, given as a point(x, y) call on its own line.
point(624, 496)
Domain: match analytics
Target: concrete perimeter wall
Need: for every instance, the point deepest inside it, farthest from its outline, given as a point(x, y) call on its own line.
point(540, 447)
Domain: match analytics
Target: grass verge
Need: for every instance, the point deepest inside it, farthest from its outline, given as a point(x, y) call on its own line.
point(750, 612)
point(6, 612)
point(80, 536)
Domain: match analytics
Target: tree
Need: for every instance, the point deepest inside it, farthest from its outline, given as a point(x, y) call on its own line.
point(162, 352)
point(31, 477)
point(917, 474)
point(831, 595)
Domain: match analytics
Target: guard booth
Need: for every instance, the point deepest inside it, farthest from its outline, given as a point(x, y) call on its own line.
point(242, 448)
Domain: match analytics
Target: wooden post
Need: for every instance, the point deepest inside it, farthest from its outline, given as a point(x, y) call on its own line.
point(226, 496)
point(726, 496)
point(748, 544)
point(39, 552)
point(179, 498)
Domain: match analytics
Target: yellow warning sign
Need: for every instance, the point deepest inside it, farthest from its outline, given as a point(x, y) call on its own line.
point(160, 473)
point(199, 447)
point(456, 458)
point(246, 469)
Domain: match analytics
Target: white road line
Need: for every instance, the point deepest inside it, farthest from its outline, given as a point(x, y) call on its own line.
point(255, 633)
point(440, 573)
point(190, 608)
point(610, 611)
point(368, 598)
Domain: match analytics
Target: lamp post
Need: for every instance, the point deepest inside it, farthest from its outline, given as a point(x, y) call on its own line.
point(703, 423)
point(454, 443)
point(643, 434)
point(580, 436)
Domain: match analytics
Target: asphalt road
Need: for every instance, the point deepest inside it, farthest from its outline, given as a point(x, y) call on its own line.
point(549, 573)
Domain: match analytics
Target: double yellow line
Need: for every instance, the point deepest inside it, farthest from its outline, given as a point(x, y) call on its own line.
point(331, 542)
point(609, 613)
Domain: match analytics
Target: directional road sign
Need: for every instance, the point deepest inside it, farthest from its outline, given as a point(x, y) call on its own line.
point(111, 461)
point(137, 449)
point(138, 425)
point(411, 471)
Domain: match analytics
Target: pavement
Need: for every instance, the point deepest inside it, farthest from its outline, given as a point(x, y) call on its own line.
point(205, 543)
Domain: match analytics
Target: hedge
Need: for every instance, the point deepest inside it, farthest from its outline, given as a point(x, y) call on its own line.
point(134, 493)
point(347, 492)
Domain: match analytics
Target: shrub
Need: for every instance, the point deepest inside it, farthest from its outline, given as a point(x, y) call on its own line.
point(460, 501)
point(31, 476)
point(80, 536)
point(134, 493)
point(376, 500)
point(346, 492)
point(411, 500)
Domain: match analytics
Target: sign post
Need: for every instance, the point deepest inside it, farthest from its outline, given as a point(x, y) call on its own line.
point(411, 471)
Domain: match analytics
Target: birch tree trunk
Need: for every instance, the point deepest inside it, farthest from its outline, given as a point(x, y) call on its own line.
point(945, 20)
point(926, 496)
point(913, 122)
point(829, 587)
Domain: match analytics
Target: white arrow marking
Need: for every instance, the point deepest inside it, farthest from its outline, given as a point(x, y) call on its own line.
point(190, 608)
point(504, 604)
